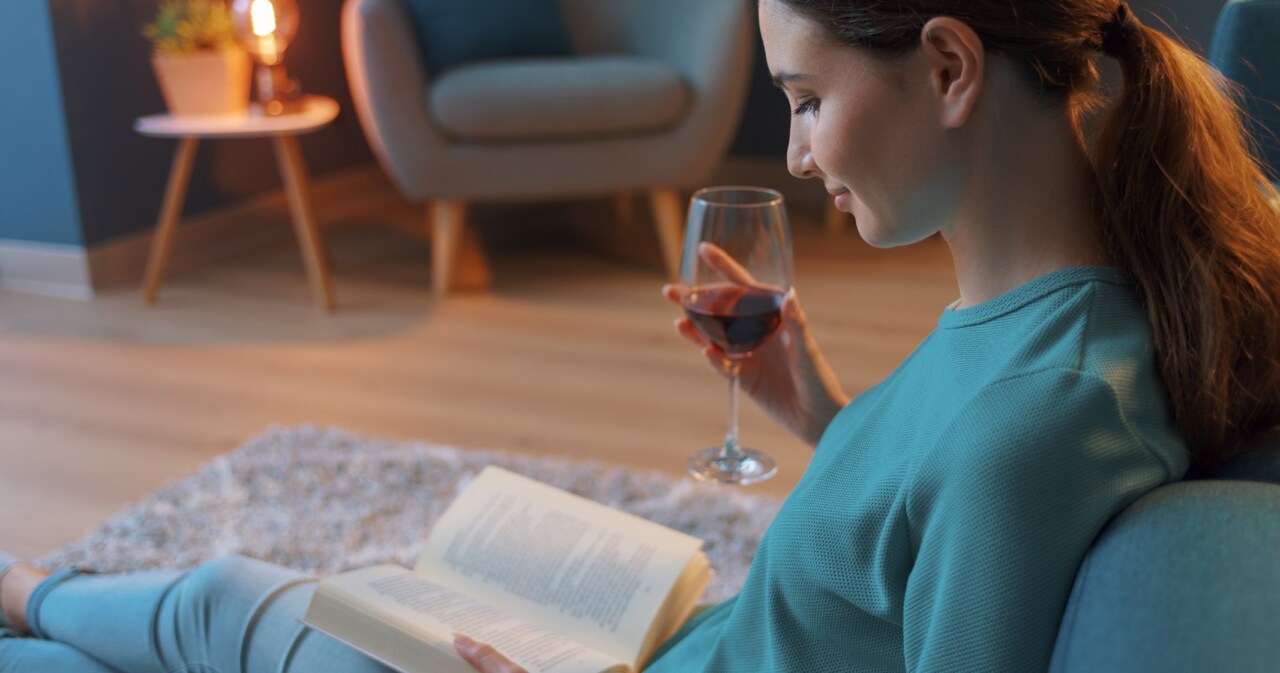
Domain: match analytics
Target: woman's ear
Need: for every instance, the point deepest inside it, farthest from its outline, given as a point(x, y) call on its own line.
point(956, 61)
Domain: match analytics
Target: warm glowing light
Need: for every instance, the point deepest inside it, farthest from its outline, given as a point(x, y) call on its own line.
point(266, 28)
point(263, 17)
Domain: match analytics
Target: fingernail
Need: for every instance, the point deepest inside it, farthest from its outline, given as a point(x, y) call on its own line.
point(462, 641)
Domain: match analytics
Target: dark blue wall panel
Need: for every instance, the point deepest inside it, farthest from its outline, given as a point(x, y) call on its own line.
point(37, 192)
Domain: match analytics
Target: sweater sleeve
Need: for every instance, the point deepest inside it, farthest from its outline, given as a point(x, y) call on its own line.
point(1002, 511)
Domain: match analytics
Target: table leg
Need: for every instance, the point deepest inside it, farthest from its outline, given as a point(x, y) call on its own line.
point(170, 212)
point(298, 190)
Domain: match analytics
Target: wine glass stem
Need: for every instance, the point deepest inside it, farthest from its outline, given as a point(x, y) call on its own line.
point(730, 449)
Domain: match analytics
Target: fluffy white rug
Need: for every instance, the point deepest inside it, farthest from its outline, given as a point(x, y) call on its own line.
point(324, 500)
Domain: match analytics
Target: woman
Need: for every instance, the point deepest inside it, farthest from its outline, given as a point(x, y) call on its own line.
point(1115, 329)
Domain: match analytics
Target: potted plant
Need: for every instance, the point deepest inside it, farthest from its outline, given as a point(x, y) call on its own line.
point(200, 66)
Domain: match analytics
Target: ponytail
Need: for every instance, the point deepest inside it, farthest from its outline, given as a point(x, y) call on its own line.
point(1185, 210)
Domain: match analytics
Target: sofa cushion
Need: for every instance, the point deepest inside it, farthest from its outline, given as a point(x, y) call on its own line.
point(544, 99)
point(453, 32)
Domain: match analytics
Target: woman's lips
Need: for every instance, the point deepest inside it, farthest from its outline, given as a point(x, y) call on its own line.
point(842, 200)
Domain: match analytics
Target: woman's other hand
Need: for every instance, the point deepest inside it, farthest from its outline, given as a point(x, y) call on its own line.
point(484, 657)
point(787, 375)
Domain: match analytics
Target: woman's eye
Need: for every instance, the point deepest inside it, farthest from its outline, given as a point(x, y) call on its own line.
point(805, 107)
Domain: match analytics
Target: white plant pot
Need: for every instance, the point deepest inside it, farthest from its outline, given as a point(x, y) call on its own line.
point(204, 83)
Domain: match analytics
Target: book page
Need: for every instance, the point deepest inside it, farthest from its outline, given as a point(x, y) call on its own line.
point(575, 566)
point(393, 597)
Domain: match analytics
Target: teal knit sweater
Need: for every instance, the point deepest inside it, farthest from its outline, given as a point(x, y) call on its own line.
point(945, 512)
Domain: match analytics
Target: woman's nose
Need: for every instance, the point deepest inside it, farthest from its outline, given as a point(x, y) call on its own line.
point(800, 161)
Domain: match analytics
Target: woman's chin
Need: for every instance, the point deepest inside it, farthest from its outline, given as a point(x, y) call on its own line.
point(881, 234)
point(873, 231)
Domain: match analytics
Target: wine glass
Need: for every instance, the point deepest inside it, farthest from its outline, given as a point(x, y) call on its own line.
point(735, 306)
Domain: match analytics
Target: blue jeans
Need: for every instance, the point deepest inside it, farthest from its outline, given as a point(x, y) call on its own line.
point(230, 615)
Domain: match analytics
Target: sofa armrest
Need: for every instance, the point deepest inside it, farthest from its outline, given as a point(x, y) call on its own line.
point(1183, 580)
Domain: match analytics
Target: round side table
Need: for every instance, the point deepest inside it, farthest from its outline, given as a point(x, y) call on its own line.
point(316, 113)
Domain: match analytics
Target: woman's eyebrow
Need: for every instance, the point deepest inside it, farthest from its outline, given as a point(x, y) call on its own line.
point(780, 79)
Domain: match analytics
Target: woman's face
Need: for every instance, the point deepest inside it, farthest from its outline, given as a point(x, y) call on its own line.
point(865, 127)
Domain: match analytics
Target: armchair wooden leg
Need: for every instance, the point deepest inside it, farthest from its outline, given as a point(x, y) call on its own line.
point(456, 258)
point(669, 215)
point(448, 218)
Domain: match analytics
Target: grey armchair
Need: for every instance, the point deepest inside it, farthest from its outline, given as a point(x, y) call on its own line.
point(649, 103)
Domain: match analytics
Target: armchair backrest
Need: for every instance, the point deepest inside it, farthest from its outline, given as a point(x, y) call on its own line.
point(1246, 50)
point(637, 26)
point(694, 37)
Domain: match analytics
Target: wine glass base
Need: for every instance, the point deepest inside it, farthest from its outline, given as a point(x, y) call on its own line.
point(748, 467)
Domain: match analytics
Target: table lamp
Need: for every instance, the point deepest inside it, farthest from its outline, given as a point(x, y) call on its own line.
point(265, 28)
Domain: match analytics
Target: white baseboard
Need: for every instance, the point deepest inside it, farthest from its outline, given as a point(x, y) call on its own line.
point(69, 271)
point(48, 269)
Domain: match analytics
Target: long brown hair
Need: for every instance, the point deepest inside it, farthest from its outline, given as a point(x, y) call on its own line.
point(1182, 204)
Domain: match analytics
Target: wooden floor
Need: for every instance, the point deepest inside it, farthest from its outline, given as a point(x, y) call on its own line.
point(571, 353)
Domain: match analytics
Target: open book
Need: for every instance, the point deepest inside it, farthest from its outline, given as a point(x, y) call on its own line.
point(555, 582)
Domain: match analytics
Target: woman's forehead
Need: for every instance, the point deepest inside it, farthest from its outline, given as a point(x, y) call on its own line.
point(790, 39)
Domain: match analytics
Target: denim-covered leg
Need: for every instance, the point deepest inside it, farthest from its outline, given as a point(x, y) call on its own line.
point(35, 655)
point(230, 615)
point(32, 655)
point(108, 617)
point(267, 636)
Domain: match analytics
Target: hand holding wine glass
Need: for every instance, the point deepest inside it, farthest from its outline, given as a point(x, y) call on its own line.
point(736, 278)
point(787, 375)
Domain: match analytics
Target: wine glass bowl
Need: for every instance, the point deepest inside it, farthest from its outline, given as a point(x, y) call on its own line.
point(736, 272)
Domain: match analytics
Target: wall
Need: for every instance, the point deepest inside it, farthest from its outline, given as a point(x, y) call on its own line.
point(37, 195)
point(107, 82)
point(119, 177)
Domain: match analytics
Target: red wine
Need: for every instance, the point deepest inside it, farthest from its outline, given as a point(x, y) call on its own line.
point(734, 317)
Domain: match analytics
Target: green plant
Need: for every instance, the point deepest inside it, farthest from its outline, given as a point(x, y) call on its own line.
point(187, 26)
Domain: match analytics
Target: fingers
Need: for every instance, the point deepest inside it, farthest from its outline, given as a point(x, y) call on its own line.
point(728, 267)
point(791, 311)
point(795, 326)
point(483, 657)
point(674, 293)
point(688, 331)
point(718, 259)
